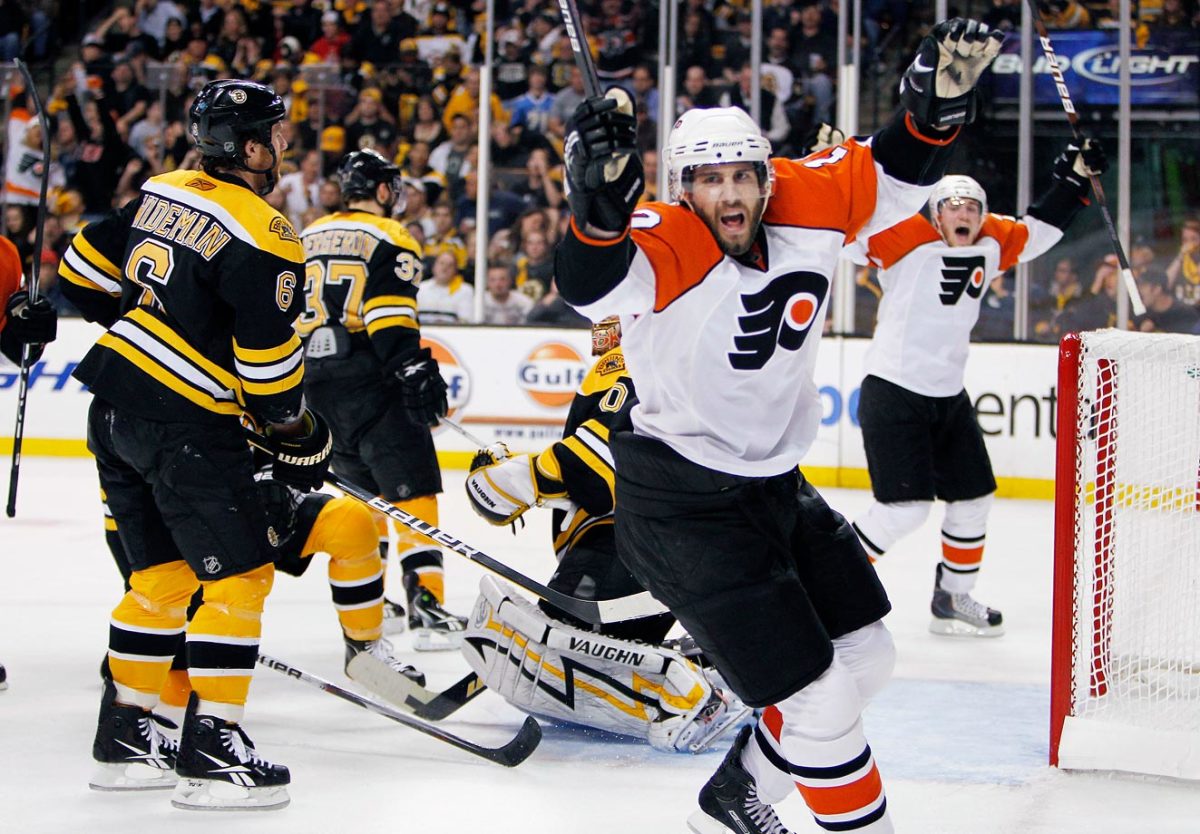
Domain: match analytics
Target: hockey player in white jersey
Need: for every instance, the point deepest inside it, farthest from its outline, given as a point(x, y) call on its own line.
point(919, 428)
point(727, 287)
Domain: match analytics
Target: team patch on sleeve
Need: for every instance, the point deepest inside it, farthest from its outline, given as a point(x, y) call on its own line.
point(889, 246)
point(1011, 234)
point(680, 248)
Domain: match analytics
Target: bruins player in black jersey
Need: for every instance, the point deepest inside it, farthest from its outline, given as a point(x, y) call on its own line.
point(545, 661)
point(369, 377)
point(199, 281)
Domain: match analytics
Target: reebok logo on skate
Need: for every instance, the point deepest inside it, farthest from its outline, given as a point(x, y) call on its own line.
point(236, 773)
point(781, 314)
point(145, 756)
point(961, 274)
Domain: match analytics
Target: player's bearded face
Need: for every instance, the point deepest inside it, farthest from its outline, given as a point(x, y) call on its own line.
point(959, 220)
point(729, 199)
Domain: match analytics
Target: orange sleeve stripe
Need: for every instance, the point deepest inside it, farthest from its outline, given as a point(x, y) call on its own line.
point(835, 195)
point(681, 250)
point(1010, 234)
point(929, 140)
point(10, 274)
point(964, 556)
point(843, 799)
point(772, 719)
point(596, 241)
point(890, 245)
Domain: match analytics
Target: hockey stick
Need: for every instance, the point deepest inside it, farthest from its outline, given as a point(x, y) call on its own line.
point(409, 695)
point(32, 286)
point(466, 435)
point(595, 612)
point(510, 755)
point(579, 47)
point(1060, 84)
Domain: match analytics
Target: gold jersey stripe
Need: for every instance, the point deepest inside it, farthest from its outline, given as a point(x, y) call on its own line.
point(391, 321)
point(266, 389)
point(265, 356)
point(592, 461)
point(389, 301)
point(150, 367)
point(167, 336)
point(75, 278)
point(92, 255)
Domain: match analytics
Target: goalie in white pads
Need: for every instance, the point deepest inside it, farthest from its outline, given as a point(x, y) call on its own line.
point(919, 428)
point(542, 660)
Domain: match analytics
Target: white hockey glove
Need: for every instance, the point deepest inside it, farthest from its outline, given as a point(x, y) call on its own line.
point(938, 88)
point(822, 138)
point(501, 490)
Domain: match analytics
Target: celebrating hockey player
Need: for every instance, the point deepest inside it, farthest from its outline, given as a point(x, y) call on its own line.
point(21, 323)
point(370, 378)
point(542, 660)
point(728, 286)
point(205, 279)
point(919, 428)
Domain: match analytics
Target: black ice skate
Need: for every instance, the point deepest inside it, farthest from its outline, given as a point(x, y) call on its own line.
point(959, 615)
point(434, 628)
point(3, 678)
point(131, 752)
point(395, 618)
point(729, 802)
point(371, 663)
point(219, 769)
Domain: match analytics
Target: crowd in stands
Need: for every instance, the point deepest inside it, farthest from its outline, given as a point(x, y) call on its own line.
point(403, 77)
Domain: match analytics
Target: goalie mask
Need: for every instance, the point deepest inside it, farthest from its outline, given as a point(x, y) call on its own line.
point(606, 335)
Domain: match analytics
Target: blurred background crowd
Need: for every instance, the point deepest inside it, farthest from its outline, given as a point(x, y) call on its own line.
point(403, 77)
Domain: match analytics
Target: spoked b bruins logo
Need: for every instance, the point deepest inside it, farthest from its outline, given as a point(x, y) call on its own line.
point(780, 314)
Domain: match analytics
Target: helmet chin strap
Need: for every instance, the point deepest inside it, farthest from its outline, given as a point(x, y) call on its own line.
point(268, 172)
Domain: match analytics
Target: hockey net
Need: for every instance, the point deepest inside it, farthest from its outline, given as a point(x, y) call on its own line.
point(1125, 680)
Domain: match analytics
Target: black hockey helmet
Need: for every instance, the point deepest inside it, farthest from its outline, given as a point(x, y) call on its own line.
point(228, 112)
point(362, 172)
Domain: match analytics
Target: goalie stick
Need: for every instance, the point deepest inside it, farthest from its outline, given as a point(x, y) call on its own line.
point(592, 611)
point(408, 694)
point(510, 755)
point(1060, 84)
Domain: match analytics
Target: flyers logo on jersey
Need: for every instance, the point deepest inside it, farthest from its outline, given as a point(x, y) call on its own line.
point(458, 381)
point(780, 314)
point(284, 229)
point(552, 373)
point(961, 274)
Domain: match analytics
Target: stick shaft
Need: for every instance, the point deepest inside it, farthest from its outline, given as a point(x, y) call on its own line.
point(579, 46)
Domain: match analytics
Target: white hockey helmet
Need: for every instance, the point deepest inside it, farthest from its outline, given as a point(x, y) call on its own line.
point(957, 186)
point(715, 136)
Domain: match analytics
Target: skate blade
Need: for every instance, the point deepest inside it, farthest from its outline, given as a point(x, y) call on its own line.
point(701, 823)
point(213, 795)
point(731, 719)
point(432, 640)
point(950, 627)
point(394, 625)
point(115, 776)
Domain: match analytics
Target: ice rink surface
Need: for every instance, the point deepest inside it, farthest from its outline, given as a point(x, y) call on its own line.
point(960, 734)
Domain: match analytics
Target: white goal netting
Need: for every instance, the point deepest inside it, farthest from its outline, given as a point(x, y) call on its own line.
point(1135, 641)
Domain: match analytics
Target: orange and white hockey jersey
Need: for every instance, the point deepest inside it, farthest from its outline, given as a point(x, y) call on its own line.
point(722, 350)
point(932, 292)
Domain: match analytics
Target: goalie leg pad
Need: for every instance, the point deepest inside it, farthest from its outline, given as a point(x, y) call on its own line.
point(551, 669)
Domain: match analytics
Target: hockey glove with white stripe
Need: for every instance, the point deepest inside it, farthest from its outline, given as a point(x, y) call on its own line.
point(27, 324)
point(422, 389)
point(605, 178)
point(1075, 166)
point(938, 88)
point(302, 461)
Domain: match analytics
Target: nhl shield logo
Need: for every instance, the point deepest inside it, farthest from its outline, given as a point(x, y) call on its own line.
point(211, 564)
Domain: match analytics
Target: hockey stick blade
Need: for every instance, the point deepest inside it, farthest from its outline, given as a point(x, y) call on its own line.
point(511, 754)
point(407, 694)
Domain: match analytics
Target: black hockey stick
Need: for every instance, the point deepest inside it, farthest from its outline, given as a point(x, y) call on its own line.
point(579, 47)
point(595, 612)
point(408, 694)
point(1060, 84)
point(510, 755)
point(32, 286)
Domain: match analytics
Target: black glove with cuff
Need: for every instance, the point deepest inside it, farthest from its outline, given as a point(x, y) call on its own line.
point(422, 389)
point(301, 461)
point(27, 324)
point(605, 178)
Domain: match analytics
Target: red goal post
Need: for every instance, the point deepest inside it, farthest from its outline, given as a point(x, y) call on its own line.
point(1125, 661)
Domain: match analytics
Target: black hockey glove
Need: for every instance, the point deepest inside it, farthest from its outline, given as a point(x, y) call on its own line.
point(27, 324)
point(605, 178)
point(422, 389)
point(1075, 166)
point(938, 88)
point(302, 461)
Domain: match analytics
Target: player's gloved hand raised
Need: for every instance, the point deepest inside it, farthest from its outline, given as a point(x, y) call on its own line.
point(1076, 165)
point(28, 324)
point(822, 137)
point(938, 88)
point(501, 490)
point(422, 389)
point(605, 178)
point(301, 461)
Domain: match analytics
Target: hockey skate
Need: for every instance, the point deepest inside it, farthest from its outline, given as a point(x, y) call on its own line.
point(729, 802)
point(395, 618)
point(372, 664)
point(219, 769)
point(959, 615)
point(3, 678)
point(720, 712)
point(434, 628)
point(131, 752)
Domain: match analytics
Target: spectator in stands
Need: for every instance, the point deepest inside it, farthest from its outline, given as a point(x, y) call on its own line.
point(427, 125)
point(174, 41)
point(550, 310)
point(511, 74)
point(1176, 16)
point(416, 165)
point(501, 305)
point(333, 41)
point(696, 44)
point(772, 120)
point(1046, 305)
point(465, 102)
point(996, 312)
point(535, 265)
point(778, 60)
point(450, 159)
point(504, 207)
point(812, 38)
point(531, 110)
point(18, 221)
point(619, 33)
point(545, 30)
point(1064, 14)
point(301, 189)
point(102, 154)
point(1098, 308)
point(697, 92)
point(1004, 15)
point(302, 20)
point(445, 237)
point(416, 208)
point(539, 188)
point(506, 151)
point(153, 15)
point(125, 97)
point(444, 297)
point(1183, 272)
point(378, 35)
point(369, 126)
point(1164, 313)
